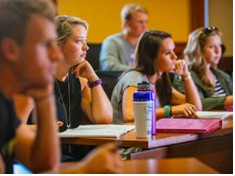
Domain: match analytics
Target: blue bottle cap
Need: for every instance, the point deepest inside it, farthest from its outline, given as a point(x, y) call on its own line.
point(143, 92)
point(142, 96)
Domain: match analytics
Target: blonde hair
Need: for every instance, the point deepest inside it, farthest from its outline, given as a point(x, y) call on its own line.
point(129, 9)
point(65, 25)
point(193, 53)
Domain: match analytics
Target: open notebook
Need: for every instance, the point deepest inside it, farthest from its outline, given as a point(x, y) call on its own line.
point(97, 131)
point(214, 114)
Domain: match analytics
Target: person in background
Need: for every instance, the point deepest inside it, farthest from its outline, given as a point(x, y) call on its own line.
point(155, 57)
point(203, 53)
point(117, 50)
point(77, 88)
point(27, 65)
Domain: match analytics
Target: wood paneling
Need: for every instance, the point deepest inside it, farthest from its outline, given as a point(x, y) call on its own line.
point(197, 14)
point(179, 48)
point(55, 2)
point(226, 64)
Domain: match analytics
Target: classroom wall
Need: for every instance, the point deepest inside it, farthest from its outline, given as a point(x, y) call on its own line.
point(172, 16)
point(103, 16)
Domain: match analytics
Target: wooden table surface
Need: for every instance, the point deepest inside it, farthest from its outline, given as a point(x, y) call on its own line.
point(167, 166)
point(214, 149)
point(159, 140)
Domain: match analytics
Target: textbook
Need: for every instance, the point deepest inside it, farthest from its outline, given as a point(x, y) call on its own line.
point(188, 125)
point(110, 130)
point(215, 114)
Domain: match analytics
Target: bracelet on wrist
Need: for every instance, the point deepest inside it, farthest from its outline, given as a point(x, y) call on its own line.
point(186, 78)
point(167, 111)
point(94, 83)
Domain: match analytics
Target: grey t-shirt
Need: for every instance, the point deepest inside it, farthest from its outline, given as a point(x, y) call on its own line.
point(115, 53)
point(131, 78)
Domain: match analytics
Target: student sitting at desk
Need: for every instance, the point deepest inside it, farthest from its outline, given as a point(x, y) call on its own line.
point(203, 53)
point(77, 88)
point(27, 65)
point(155, 57)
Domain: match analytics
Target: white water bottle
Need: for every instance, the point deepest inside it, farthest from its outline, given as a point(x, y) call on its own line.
point(143, 102)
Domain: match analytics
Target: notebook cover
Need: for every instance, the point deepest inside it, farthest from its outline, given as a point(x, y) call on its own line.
point(188, 125)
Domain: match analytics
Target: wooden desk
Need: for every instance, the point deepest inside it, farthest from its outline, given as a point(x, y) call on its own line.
point(159, 140)
point(214, 149)
point(167, 166)
point(162, 166)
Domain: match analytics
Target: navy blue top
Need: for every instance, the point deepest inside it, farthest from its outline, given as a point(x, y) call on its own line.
point(70, 152)
point(75, 101)
point(8, 125)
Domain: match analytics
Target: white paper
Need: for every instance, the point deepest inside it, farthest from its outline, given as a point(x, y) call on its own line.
point(97, 131)
point(214, 114)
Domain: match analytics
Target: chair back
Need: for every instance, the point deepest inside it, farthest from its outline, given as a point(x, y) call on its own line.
point(109, 79)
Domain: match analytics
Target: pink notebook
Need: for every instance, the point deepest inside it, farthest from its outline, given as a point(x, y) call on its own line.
point(188, 125)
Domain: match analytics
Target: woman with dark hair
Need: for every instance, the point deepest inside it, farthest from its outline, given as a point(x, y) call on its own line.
point(203, 53)
point(155, 57)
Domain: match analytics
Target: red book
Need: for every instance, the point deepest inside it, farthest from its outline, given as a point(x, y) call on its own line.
point(188, 125)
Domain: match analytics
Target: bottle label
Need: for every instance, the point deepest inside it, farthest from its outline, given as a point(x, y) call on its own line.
point(143, 112)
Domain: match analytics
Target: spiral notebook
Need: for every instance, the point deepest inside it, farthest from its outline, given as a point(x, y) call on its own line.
point(111, 130)
point(188, 125)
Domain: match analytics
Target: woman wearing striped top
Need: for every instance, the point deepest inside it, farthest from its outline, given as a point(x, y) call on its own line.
point(203, 53)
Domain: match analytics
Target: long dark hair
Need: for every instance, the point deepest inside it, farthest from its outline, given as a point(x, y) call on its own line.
point(147, 50)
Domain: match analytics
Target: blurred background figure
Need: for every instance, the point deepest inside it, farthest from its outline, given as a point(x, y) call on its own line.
point(117, 51)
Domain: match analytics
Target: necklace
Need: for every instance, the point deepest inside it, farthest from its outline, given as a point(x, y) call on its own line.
point(68, 115)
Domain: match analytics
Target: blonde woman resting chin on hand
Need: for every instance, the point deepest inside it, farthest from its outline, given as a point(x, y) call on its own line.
point(77, 88)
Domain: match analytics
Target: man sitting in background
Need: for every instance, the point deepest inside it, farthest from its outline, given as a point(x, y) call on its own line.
point(117, 50)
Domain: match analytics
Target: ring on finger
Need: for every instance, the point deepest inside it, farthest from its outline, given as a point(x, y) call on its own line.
point(190, 107)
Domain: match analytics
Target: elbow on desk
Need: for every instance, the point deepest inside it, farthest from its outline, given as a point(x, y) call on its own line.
point(103, 119)
point(128, 117)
